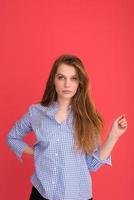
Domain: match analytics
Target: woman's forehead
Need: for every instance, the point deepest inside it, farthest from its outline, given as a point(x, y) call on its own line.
point(65, 69)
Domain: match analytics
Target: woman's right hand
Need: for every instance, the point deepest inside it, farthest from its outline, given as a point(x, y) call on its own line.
point(29, 150)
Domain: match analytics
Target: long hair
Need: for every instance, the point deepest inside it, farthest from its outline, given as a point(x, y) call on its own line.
point(88, 123)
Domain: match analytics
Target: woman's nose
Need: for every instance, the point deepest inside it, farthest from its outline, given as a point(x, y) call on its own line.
point(67, 83)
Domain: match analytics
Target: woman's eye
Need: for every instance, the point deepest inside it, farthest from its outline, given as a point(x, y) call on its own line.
point(60, 77)
point(74, 78)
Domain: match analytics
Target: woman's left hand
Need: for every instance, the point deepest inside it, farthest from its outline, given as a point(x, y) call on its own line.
point(119, 126)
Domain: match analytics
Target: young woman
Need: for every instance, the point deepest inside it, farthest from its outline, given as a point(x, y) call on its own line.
point(68, 128)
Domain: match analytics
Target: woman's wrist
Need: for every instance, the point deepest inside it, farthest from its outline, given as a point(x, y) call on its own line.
point(113, 136)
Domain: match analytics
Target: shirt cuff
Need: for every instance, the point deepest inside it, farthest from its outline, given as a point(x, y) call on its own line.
point(18, 148)
point(107, 161)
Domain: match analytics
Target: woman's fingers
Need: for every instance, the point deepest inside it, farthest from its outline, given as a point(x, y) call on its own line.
point(123, 123)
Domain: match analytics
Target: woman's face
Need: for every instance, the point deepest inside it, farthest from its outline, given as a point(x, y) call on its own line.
point(66, 81)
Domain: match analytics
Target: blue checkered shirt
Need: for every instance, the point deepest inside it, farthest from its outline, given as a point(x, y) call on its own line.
point(61, 173)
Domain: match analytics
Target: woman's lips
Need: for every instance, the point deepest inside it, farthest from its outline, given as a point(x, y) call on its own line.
point(66, 91)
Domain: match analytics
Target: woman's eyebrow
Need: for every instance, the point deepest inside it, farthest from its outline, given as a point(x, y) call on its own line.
point(64, 75)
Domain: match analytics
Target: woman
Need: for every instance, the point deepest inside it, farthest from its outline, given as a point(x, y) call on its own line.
point(68, 128)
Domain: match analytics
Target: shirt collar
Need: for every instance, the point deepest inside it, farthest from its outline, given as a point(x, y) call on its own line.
point(53, 108)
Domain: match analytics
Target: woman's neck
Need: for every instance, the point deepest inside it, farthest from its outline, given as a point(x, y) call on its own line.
point(63, 105)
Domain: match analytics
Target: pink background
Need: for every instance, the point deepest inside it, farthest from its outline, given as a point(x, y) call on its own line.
point(32, 34)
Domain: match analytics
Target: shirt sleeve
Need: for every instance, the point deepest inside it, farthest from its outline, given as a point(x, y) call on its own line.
point(15, 136)
point(94, 162)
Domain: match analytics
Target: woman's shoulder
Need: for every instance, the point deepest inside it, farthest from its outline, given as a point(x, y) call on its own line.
point(36, 107)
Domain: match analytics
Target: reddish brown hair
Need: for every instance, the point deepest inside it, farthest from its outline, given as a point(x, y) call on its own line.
point(88, 123)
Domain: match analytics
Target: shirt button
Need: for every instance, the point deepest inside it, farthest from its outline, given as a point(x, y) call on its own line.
point(57, 140)
point(53, 182)
point(54, 168)
point(56, 154)
point(58, 126)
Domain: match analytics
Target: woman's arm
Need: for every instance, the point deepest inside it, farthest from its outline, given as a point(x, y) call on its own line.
point(119, 126)
point(102, 153)
point(15, 136)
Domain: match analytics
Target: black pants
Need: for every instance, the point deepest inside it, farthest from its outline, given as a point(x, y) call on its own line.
point(35, 195)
